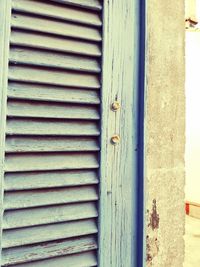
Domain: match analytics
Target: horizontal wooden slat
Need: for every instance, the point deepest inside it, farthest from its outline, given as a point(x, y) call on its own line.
point(37, 198)
point(41, 161)
point(56, 11)
point(51, 144)
point(51, 127)
point(37, 234)
point(47, 215)
point(52, 93)
point(91, 4)
point(35, 109)
point(62, 28)
point(88, 259)
point(54, 43)
point(36, 180)
point(53, 76)
point(43, 58)
point(48, 250)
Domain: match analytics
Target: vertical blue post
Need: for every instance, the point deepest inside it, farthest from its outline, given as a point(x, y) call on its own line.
point(141, 236)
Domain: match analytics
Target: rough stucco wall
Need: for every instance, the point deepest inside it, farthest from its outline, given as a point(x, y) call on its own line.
point(165, 133)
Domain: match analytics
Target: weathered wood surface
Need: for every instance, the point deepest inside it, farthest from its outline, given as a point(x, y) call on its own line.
point(118, 164)
point(52, 127)
point(52, 214)
point(5, 15)
point(89, 4)
point(32, 235)
point(51, 144)
point(46, 197)
point(80, 260)
point(53, 10)
point(54, 43)
point(52, 134)
point(50, 161)
point(49, 179)
point(48, 250)
point(52, 93)
point(61, 28)
point(42, 58)
point(35, 109)
point(53, 76)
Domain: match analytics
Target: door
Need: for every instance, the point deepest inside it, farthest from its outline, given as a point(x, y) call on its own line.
point(68, 125)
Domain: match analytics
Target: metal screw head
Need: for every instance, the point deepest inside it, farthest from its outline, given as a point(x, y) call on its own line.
point(115, 106)
point(115, 139)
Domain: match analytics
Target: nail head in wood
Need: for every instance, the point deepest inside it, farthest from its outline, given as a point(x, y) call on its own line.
point(115, 106)
point(115, 139)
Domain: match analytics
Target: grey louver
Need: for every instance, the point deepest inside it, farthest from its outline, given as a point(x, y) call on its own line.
point(52, 147)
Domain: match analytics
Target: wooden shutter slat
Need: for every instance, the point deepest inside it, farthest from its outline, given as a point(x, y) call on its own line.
point(44, 58)
point(48, 250)
point(52, 179)
point(52, 127)
point(46, 197)
point(37, 234)
point(53, 76)
point(89, 4)
point(54, 43)
point(80, 260)
point(51, 144)
point(52, 93)
point(35, 109)
point(52, 10)
point(47, 215)
point(68, 29)
point(59, 161)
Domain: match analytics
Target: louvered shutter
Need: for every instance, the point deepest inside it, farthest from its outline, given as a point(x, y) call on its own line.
point(68, 193)
point(52, 134)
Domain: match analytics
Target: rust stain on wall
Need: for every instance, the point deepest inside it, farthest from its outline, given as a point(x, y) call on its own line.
point(154, 218)
point(152, 248)
point(151, 239)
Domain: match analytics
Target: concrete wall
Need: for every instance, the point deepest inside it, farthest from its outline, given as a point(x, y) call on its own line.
point(192, 155)
point(165, 133)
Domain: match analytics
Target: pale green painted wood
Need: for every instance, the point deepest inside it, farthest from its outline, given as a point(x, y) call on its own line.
point(52, 93)
point(30, 109)
point(61, 77)
point(49, 179)
point(48, 127)
point(51, 144)
point(48, 250)
point(51, 161)
point(50, 232)
point(60, 28)
point(46, 215)
point(52, 149)
point(42, 58)
point(54, 43)
point(87, 259)
point(118, 164)
point(53, 10)
point(5, 13)
point(89, 4)
point(48, 197)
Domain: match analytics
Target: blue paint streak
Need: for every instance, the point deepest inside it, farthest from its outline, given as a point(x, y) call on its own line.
point(141, 240)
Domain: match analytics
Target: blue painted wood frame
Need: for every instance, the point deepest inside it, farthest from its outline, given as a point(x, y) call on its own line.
point(121, 220)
